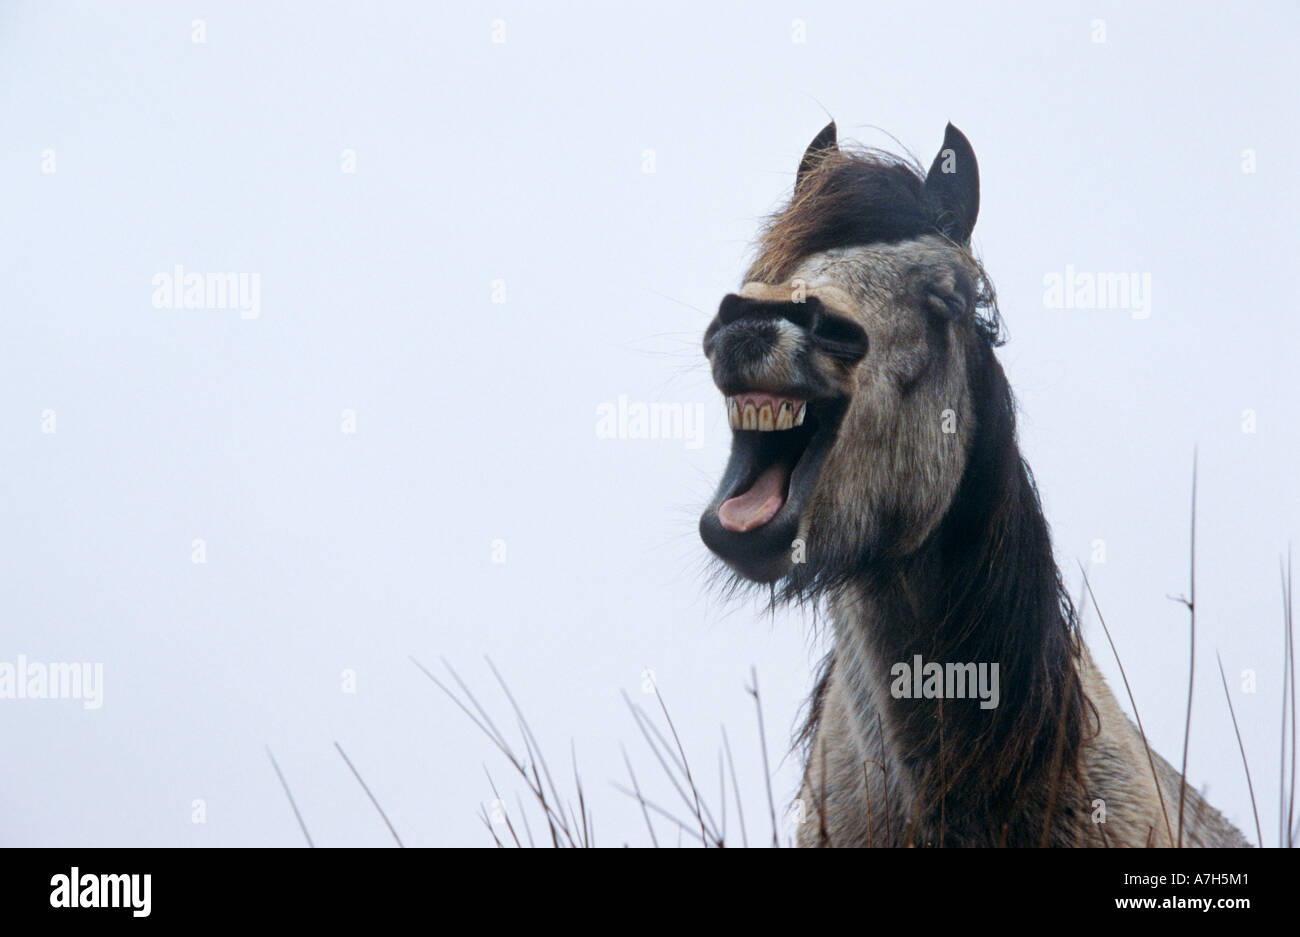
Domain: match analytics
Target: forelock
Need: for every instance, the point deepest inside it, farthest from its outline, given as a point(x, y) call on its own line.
point(846, 198)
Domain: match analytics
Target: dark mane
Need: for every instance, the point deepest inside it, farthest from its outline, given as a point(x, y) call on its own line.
point(852, 197)
point(995, 594)
point(985, 587)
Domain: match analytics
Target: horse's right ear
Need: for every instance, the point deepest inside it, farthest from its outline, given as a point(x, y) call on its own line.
point(952, 187)
point(825, 141)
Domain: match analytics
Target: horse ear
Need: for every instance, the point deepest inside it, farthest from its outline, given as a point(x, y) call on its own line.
point(952, 187)
point(825, 141)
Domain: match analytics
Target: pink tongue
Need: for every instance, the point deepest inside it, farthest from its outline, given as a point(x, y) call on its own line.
point(758, 505)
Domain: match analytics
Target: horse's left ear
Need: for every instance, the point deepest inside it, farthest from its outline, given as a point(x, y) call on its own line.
point(952, 187)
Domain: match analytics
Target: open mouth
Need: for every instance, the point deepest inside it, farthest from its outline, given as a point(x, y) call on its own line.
point(779, 443)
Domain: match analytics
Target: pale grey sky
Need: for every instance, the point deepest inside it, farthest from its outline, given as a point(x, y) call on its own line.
point(516, 169)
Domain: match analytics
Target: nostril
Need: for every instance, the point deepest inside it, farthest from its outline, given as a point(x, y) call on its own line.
point(839, 336)
point(804, 314)
point(836, 330)
point(731, 309)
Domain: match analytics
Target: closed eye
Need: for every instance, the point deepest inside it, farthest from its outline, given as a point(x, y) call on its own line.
point(948, 305)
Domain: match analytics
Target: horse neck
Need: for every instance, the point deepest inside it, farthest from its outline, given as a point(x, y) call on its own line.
point(983, 589)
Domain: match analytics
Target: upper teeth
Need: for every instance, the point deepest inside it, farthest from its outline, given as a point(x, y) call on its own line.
point(765, 412)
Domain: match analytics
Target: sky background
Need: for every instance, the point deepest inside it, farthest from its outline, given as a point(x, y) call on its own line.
point(518, 169)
